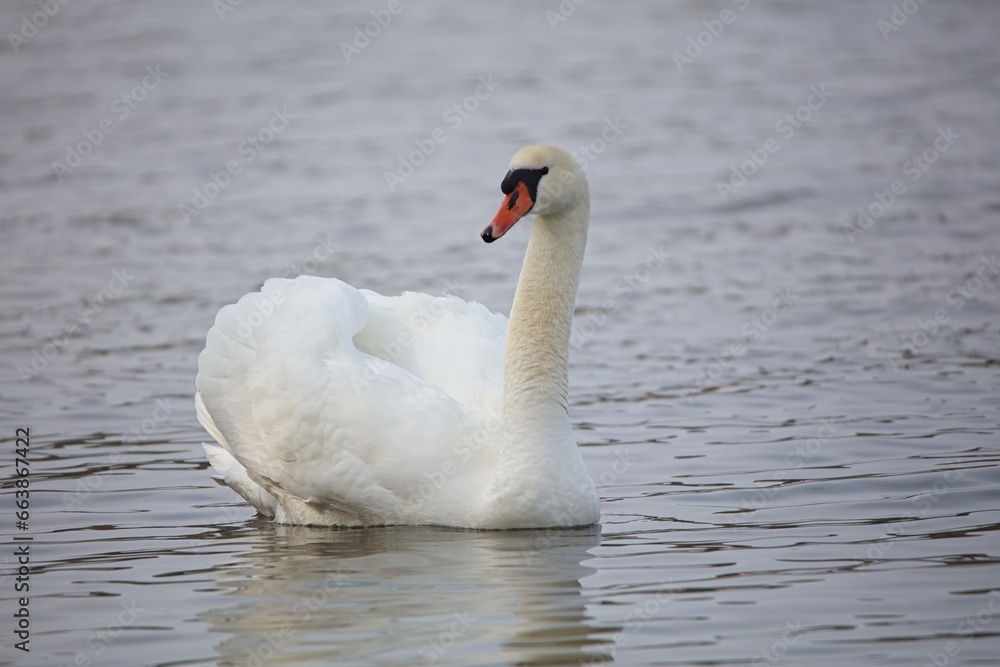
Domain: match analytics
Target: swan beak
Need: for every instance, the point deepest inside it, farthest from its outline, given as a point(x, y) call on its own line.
point(514, 207)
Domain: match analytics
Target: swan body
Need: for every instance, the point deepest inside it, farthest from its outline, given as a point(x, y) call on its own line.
point(338, 406)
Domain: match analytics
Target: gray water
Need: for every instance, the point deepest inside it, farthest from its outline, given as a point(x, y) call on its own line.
point(791, 411)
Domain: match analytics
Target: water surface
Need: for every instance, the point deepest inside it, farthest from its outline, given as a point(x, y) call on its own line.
point(791, 410)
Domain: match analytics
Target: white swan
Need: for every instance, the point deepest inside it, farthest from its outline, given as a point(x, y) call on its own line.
point(338, 406)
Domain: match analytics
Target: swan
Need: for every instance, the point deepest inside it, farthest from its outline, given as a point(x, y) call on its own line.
point(338, 406)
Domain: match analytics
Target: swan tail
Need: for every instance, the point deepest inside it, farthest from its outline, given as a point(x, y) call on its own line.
point(229, 469)
point(235, 476)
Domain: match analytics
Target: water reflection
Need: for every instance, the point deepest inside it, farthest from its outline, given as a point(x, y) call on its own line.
point(408, 595)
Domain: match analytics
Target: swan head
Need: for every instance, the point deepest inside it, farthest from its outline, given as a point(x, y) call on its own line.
point(543, 180)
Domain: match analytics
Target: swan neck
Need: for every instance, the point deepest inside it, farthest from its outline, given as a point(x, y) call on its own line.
point(536, 351)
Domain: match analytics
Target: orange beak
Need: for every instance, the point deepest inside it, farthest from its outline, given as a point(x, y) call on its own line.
point(514, 207)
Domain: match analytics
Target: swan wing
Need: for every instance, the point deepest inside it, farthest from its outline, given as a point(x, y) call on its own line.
point(449, 343)
point(336, 433)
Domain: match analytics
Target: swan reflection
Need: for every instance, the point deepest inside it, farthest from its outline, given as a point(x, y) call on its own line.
point(409, 596)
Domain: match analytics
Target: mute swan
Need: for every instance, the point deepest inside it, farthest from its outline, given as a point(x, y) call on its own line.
point(338, 406)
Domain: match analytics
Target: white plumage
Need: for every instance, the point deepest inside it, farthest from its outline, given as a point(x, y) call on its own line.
point(338, 406)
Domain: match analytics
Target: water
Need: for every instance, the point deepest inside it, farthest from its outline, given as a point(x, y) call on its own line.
point(793, 422)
